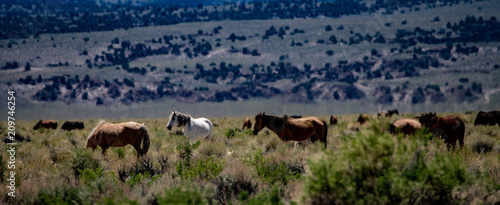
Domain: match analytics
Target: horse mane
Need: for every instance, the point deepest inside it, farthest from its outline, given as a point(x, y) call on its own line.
point(183, 119)
point(92, 134)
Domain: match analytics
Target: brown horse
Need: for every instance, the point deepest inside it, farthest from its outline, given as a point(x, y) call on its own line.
point(333, 120)
point(362, 118)
point(51, 124)
point(487, 118)
point(296, 129)
point(451, 128)
point(407, 126)
point(118, 135)
point(247, 124)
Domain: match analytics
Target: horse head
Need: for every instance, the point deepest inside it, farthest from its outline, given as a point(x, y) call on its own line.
point(37, 125)
point(172, 120)
point(259, 123)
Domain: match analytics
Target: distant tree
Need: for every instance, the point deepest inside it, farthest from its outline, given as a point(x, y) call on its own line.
point(329, 52)
point(99, 101)
point(333, 39)
point(85, 96)
point(328, 28)
point(86, 39)
point(27, 67)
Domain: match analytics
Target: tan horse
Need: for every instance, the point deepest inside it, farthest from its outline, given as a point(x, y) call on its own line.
point(51, 124)
point(407, 126)
point(108, 135)
point(296, 129)
point(247, 124)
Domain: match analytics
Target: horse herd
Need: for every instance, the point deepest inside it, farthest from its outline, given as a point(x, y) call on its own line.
point(288, 128)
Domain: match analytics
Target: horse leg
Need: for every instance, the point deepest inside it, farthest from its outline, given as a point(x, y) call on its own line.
point(104, 148)
point(138, 150)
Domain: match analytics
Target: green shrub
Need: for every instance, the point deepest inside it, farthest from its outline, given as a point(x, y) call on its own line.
point(207, 168)
point(230, 132)
point(66, 195)
point(384, 170)
point(272, 172)
point(272, 197)
point(178, 195)
point(83, 160)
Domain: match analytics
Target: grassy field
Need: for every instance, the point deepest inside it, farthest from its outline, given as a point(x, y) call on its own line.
point(362, 164)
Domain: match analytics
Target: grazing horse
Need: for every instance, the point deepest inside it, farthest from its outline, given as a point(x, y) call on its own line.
point(51, 124)
point(362, 118)
point(193, 127)
point(247, 124)
point(487, 118)
point(388, 113)
point(72, 125)
point(108, 135)
point(451, 128)
point(296, 129)
point(333, 120)
point(407, 126)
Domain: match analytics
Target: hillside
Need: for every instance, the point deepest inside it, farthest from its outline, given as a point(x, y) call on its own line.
point(361, 163)
point(387, 55)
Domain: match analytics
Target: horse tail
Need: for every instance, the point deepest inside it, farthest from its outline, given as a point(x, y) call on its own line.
point(325, 133)
point(392, 129)
point(145, 140)
point(210, 129)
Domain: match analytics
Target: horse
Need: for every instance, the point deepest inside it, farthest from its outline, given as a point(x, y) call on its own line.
point(362, 118)
point(247, 124)
point(51, 124)
point(108, 135)
point(487, 118)
point(407, 126)
point(72, 125)
point(388, 113)
point(295, 129)
point(193, 127)
point(451, 128)
point(333, 120)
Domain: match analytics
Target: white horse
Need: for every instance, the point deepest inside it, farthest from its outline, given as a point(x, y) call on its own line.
point(193, 128)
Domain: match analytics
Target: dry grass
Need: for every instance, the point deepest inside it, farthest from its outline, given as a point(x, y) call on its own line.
point(44, 164)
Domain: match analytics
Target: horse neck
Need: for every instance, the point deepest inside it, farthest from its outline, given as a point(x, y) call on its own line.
point(267, 122)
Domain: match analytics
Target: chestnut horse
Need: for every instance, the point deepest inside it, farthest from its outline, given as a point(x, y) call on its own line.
point(407, 126)
point(296, 129)
point(247, 124)
point(108, 135)
point(51, 124)
point(451, 128)
point(333, 120)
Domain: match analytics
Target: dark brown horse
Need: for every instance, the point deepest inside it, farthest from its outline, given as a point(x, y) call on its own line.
point(388, 113)
point(407, 126)
point(296, 129)
point(108, 135)
point(50, 124)
point(362, 118)
point(450, 128)
point(247, 124)
point(487, 118)
point(72, 125)
point(333, 120)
